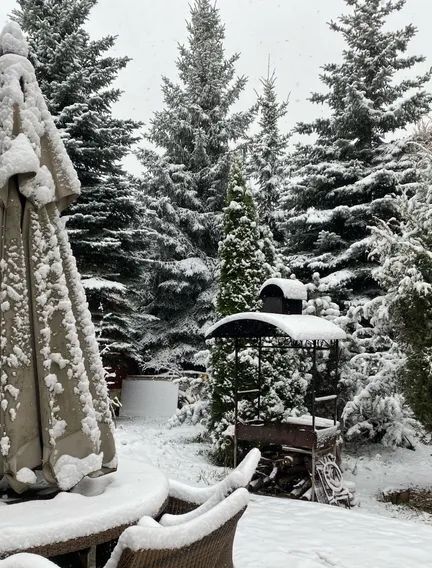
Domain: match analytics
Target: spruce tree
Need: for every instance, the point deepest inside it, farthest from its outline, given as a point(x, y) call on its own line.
point(345, 179)
point(184, 185)
point(267, 162)
point(76, 76)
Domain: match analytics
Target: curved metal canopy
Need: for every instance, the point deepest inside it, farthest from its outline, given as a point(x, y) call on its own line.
point(263, 324)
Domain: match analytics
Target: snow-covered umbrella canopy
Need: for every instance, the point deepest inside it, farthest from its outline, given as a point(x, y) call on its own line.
point(54, 410)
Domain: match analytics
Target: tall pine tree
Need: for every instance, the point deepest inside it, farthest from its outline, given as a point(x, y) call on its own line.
point(76, 75)
point(184, 188)
point(267, 162)
point(346, 178)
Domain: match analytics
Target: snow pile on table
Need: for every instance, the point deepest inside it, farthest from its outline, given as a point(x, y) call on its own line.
point(93, 506)
point(70, 470)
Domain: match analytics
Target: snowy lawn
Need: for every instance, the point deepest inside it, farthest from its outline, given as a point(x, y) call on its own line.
point(281, 533)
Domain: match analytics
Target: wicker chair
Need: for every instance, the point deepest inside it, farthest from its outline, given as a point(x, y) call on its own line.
point(184, 498)
point(205, 541)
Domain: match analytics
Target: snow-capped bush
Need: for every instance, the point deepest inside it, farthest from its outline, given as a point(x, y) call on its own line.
point(194, 400)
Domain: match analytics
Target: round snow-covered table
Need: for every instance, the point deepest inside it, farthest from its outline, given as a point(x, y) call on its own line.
point(96, 511)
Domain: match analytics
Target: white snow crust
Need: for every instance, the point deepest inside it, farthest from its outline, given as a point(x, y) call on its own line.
point(96, 283)
point(307, 421)
point(298, 327)
point(70, 470)
point(40, 189)
point(291, 288)
point(24, 560)
point(22, 154)
point(26, 475)
point(20, 158)
point(277, 533)
point(12, 40)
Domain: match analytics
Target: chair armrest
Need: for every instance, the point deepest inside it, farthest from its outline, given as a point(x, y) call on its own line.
point(188, 493)
point(169, 520)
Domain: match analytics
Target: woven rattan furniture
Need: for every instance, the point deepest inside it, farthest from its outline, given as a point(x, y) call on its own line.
point(183, 498)
point(202, 542)
point(97, 512)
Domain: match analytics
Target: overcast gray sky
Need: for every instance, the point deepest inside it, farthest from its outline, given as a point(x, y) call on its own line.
point(293, 32)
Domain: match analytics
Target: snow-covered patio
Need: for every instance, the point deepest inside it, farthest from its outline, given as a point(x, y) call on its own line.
point(277, 533)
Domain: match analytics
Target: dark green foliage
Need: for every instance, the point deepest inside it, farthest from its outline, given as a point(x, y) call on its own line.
point(267, 160)
point(413, 315)
point(76, 75)
point(405, 252)
point(185, 185)
point(240, 256)
point(345, 180)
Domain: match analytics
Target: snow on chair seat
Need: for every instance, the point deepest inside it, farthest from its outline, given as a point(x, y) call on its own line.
point(202, 542)
point(184, 498)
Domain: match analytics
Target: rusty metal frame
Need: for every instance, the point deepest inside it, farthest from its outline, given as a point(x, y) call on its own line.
point(285, 343)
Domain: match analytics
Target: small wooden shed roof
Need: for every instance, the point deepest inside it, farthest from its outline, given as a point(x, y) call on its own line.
point(289, 288)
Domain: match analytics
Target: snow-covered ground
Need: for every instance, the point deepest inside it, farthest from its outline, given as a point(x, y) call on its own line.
point(277, 533)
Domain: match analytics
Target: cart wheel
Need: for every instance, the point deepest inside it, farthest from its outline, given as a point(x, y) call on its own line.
point(333, 476)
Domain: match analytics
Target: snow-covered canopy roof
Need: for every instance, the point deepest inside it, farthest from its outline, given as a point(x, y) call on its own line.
point(291, 289)
point(263, 324)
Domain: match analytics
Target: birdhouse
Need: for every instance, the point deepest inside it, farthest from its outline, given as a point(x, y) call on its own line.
point(283, 296)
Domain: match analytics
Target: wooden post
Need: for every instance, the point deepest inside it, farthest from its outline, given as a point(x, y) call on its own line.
point(314, 372)
point(236, 398)
point(313, 474)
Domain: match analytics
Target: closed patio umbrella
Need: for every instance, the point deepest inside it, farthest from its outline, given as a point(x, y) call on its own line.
point(54, 409)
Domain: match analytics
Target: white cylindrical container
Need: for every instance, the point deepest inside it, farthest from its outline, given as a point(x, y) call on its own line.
point(149, 396)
